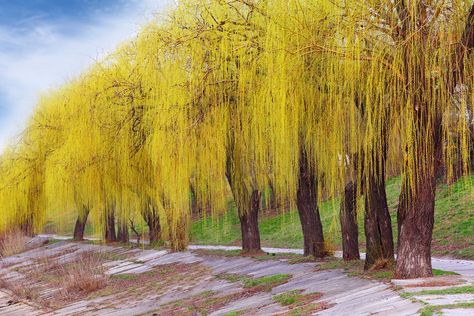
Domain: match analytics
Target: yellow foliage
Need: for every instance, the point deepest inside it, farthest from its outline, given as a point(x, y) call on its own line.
point(235, 89)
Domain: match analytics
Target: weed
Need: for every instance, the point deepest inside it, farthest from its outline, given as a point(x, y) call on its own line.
point(86, 274)
point(12, 243)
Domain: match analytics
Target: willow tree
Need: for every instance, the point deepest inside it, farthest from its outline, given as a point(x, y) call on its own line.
point(414, 71)
point(430, 71)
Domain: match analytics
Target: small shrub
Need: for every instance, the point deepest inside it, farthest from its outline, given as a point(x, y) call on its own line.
point(12, 243)
point(86, 274)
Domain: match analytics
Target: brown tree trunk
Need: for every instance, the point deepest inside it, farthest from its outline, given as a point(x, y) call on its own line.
point(195, 209)
point(81, 224)
point(110, 235)
point(307, 203)
point(415, 222)
point(378, 224)
point(27, 226)
point(154, 229)
point(417, 198)
point(249, 225)
point(122, 233)
point(349, 226)
point(248, 204)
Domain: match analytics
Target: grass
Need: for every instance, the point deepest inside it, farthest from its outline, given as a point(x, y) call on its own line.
point(452, 234)
point(267, 281)
point(468, 289)
point(291, 258)
point(355, 268)
point(263, 284)
point(452, 290)
point(86, 274)
point(125, 276)
point(74, 279)
point(288, 298)
point(437, 272)
point(432, 310)
point(12, 243)
point(206, 302)
point(300, 304)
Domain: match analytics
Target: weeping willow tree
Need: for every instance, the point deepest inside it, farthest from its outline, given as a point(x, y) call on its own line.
point(233, 97)
point(418, 60)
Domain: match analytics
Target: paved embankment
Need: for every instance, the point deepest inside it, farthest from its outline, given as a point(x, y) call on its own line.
point(189, 275)
point(343, 294)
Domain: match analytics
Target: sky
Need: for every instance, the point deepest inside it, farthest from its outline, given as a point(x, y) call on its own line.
point(44, 43)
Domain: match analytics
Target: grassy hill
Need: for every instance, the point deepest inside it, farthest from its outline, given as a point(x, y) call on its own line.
point(453, 234)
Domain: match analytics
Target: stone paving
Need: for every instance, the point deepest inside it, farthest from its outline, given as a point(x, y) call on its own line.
point(345, 295)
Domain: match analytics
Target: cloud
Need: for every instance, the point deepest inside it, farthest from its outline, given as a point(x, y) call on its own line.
point(50, 53)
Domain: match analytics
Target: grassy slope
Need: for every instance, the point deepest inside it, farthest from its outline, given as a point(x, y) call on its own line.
point(453, 233)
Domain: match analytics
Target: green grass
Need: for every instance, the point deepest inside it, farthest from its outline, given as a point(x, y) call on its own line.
point(266, 283)
point(436, 310)
point(270, 280)
point(437, 272)
point(468, 289)
point(452, 290)
point(291, 258)
point(287, 298)
point(125, 276)
point(452, 234)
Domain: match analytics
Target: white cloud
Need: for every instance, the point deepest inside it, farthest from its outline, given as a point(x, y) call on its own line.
point(46, 57)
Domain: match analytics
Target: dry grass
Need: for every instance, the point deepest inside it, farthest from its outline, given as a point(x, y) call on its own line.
point(19, 290)
point(12, 243)
point(382, 264)
point(69, 281)
point(86, 274)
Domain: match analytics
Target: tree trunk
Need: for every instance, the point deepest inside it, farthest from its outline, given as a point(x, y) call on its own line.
point(249, 225)
point(110, 235)
point(154, 229)
point(81, 224)
point(417, 198)
point(349, 226)
point(195, 209)
point(415, 222)
point(378, 224)
point(247, 207)
point(27, 226)
point(123, 235)
point(307, 203)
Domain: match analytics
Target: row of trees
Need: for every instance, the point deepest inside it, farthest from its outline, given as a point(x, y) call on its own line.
point(311, 98)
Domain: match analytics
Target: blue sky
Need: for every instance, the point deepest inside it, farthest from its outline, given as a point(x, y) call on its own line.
point(46, 42)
